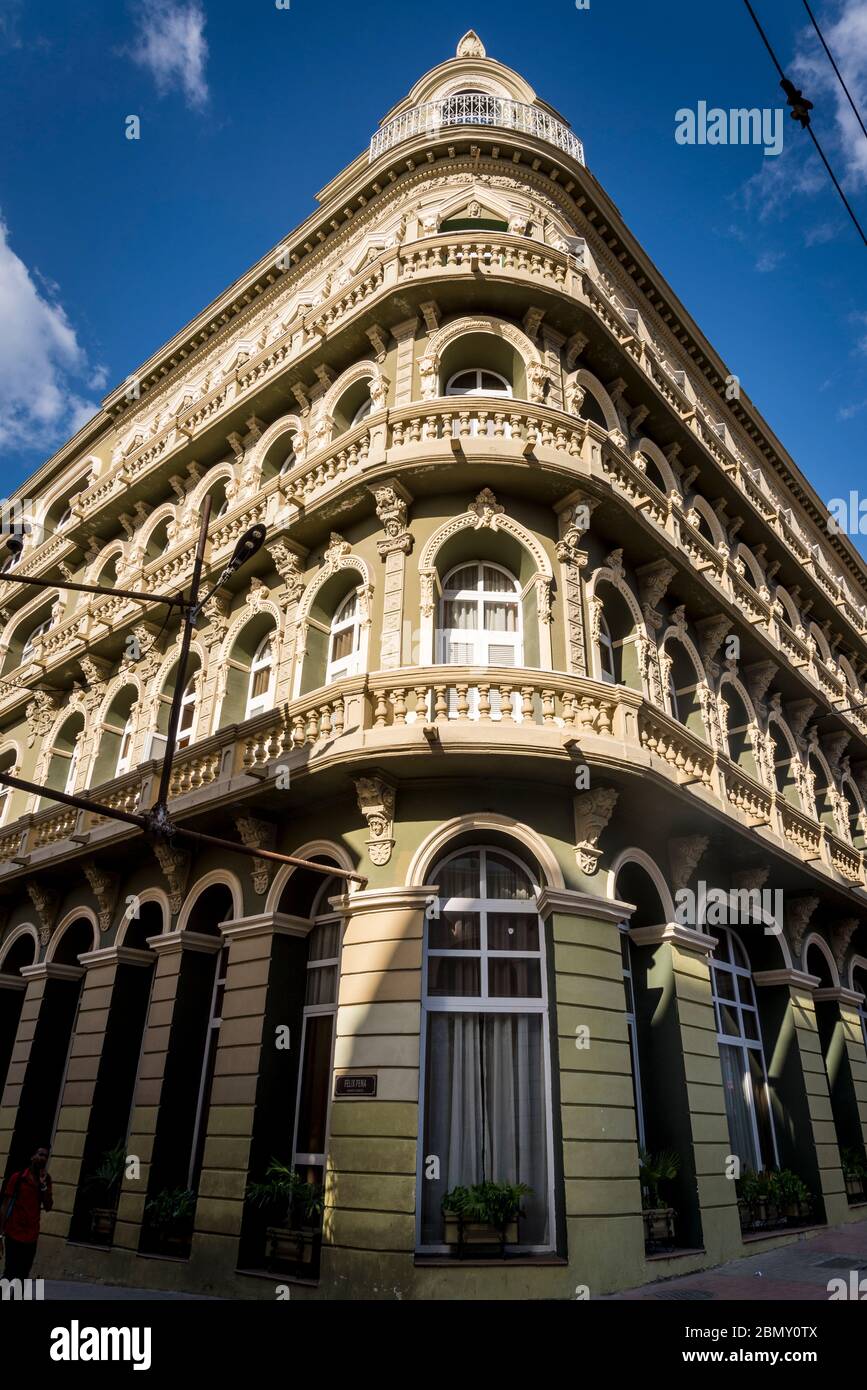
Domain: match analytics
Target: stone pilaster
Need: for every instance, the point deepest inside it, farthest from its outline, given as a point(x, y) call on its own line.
point(404, 335)
point(392, 500)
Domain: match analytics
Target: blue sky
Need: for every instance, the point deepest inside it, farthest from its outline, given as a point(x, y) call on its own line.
point(109, 245)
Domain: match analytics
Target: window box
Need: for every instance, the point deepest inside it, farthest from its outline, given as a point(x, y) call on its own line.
point(855, 1189)
point(102, 1223)
point(658, 1226)
point(291, 1245)
point(483, 1236)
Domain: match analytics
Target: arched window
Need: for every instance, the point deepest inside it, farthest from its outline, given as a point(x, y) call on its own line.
point(317, 1038)
point(738, 732)
point(745, 1082)
point(607, 666)
point(344, 647)
point(478, 381)
point(7, 764)
point(63, 757)
point(124, 755)
point(487, 1110)
point(632, 1029)
point(29, 647)
point(187, 720)
point(365, 409)
point(260, 692)
point(784, 770)
point(480, 617)
point(66, 512)
point(682, 686)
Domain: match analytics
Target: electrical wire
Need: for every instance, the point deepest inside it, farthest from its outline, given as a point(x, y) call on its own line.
point(840, 79)
point(805, 122)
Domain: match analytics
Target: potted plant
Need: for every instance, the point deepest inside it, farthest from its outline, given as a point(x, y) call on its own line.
point(758, 1199)
point(792, 1196)
point(654, 1170)
point(483, 1215)
point(105, 1183)
point(854, 1172)
point(170, 1216)
point(296, 1207)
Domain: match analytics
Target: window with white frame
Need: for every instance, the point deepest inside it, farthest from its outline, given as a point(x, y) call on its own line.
point(209, 1062)
point(632, 1029)
point(477, 381)
point(317, 1042)
point(486, 1103)
point(745, 1082)
point(72, 770)
point(260, 688)
point(480, 617)
point(66, 515)
point(125, 749)
point(187, 718)
point(344, 643)
point(365, 409)
point(607, 665)
point(29, 647)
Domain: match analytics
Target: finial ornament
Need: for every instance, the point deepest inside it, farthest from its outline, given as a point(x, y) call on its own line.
point(471, 46)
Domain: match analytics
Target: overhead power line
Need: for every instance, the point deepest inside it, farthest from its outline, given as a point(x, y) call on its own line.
point(800, 109)
point(840, 78)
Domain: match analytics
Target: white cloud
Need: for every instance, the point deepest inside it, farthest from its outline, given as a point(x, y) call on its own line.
point(818, 235)
point(171, 44)
point(847, 39)
point(769, 260)
point(40, 361)
point(847, 412)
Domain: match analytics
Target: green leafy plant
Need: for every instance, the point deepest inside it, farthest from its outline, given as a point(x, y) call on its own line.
point(854, 1165)
point(286, 1193)
point(655, 1169)
point(170, 1211)
point(490, 1203)
point(756, 1187)
point(788, 1190)
point(107, 1177)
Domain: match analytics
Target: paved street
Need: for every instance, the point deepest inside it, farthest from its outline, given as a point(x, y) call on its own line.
point(797, 1271)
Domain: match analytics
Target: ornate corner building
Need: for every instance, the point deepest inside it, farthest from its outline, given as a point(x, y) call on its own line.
point(549, 638)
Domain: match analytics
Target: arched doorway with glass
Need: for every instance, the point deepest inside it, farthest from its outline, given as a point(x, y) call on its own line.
point(486, 1073)
point(739, 1036)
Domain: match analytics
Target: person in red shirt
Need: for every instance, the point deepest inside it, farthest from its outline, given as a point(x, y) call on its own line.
point(26, 1194)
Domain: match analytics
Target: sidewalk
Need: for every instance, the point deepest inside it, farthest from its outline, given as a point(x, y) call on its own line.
point(71, 1291)
point(791, 1272)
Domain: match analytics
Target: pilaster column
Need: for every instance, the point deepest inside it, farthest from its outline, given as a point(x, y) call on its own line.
point(799, 1085)
point(601, 1218)
point(254, 1079)
point(85, 1058)
point(369, 1220)
point(169, 950)
point(842, 1041)
point(30, 1090)
point(683, 1085)
point(404, 335)
point(392, 500)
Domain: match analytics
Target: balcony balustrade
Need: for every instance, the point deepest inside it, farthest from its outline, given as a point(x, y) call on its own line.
point(467, 711)
point(477, 109)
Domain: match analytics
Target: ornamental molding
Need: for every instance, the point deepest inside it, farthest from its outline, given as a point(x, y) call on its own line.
point(104, 886)
point(376, 800)
point(392, 503)
point(799, 912)
point(593, 811)
point(46, 902)
point(175, 866)
point(485, 511)
point(257, 834)
point(841, 937)
point(685, 855)
point(288, 562)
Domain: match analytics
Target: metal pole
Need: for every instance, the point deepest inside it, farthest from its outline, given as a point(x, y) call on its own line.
point(159, 809)
point(90, 589)
point(271, 854)
point(82, 803)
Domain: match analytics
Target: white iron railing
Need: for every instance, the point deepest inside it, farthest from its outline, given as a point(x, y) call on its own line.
point(476, 108)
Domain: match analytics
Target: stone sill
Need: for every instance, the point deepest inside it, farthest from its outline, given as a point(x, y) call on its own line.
point(515, 1262)
point(274, 1278)
point(751, 1237)
point(676, 1254)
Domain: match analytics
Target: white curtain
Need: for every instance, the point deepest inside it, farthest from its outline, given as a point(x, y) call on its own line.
point(735, 1084)
point(486, 1113)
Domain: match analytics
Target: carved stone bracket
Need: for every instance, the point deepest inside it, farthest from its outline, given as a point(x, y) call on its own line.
point(798, 914)
point(46, 901)
point(685, 855)
point(653, 582)
point(175, 865)
point(376, 803)
point(289, 565)
point(758, 678)
point(257, 834)
point(841, 936)
point(41, 713)
point(593, 811)
point(104, 886)
point(392, 503)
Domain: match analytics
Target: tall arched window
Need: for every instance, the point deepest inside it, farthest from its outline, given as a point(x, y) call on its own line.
point(29, 647)
point(365, 409)
point(739, 1035)
point(187, 720)
point(344, 645)
point(317, 1038)
point(480, 617)
point(7, 764)
point(607, 667)
point(632, 1029)
point(487, 1110)
point(124, 755)
point(260, 690)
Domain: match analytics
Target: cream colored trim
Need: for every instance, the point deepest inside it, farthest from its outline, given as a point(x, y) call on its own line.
point(185, 941)
point(12, 982)
point(267, 924)
point(839, 996)
point(796, 979)
point(116, 955)
point(25, 929)
point(211, 880)
point(578, 904)
point(478, 822)
point(813, 938)
point(52, 970)
point(67, 921)
point(384, 899)
point(305, 851)
point(684, 937)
